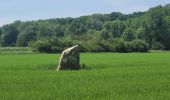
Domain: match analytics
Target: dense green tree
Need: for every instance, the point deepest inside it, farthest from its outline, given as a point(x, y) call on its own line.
point(116, 28)
point(117, 15)
point(129, 35)
point(140, 32)
point(58, 31)
point(167, 9)
point(0, 35)
point(164, 37)
point(9, 36)
point(155, 23)
point(95, 24)
point(29, 34)
point(104, 35)
point(0, 32)
point(94, 33)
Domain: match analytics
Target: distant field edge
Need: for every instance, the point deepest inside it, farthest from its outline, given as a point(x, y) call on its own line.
point(15, 50)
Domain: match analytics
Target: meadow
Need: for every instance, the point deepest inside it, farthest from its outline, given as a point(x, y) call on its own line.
point(107, 76)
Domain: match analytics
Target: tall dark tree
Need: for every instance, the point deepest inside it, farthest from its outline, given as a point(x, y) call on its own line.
point(165, 35)
point(29, 34)
point(155, 22)
point(0, 35)
point(9, 36)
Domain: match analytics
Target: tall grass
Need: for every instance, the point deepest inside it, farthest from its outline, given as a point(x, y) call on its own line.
point(15, 50)
point(112, 76)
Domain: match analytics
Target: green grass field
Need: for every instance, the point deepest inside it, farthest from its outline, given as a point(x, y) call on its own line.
point(108, 76)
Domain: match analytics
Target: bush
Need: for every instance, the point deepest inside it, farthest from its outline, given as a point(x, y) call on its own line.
point(91, 46)
point(42, 46)
point(158, 46)
point(118, 45)
point(105, 46)
point(139, 46)
point(95, 46)
point(82, 45)
point(133, 46)
point(122, 46)
point(55, 49)
point(45, 45)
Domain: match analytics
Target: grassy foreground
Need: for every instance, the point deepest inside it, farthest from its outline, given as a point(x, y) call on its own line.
point(109, 76)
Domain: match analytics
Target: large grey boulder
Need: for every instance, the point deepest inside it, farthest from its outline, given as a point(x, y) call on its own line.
point(70, 59)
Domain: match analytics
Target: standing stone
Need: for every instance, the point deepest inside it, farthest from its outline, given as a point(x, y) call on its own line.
point(70, 59)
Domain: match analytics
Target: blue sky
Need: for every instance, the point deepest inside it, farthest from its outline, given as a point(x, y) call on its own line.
point(11, 10)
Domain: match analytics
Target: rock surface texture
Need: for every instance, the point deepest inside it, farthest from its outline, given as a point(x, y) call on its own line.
point(70, 59)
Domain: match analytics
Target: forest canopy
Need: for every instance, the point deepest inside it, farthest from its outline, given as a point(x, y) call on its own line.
point(137, 32)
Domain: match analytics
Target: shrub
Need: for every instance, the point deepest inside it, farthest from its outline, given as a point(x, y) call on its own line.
point(82, 45)
point(139, 46)
point(122, 46)
point(42, 46)
point(100, 49)
point(55, 49)
point(95, 46)
point(86, 46)
point(158, 46)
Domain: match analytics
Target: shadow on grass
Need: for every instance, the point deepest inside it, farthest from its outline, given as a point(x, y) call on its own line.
point(46, 67)
point(85, 67)
point(54, 67)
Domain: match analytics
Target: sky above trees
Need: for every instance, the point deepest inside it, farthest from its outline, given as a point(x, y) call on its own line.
point(24, 10)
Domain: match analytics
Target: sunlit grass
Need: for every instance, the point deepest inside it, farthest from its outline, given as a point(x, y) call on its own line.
point(120, 76)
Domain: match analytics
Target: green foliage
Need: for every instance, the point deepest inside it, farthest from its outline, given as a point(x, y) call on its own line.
point(165, 35)
point(42, 46)
point(104, 35)
point(122, 46)
point(9, 36)
point(133, 46)
point(139, 46)
point(27, 35)
point(0, 36)
point(152, 26)
point(116, 28)
point(128, 35)
point(106, 46)
point(0, 32)
point(158, 46)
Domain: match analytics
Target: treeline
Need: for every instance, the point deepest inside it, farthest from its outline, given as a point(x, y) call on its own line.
point(137, 32)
